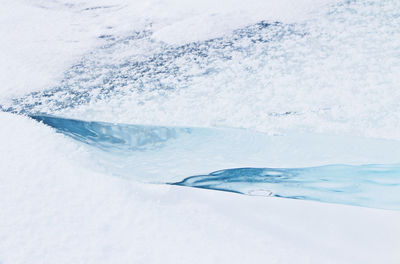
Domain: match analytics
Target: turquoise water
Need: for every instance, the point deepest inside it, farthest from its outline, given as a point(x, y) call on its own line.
point(376, 186)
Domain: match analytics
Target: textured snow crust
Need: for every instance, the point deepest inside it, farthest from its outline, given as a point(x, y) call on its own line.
point(331, 68)
point(42, 38)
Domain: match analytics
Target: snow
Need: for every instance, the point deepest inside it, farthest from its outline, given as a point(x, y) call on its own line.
point(34, 45)
point(334, 73)
point(210, 20)
point(42, 38)
point(54, 210)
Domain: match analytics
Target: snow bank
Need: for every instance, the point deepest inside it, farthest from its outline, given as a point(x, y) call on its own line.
point(55, 211)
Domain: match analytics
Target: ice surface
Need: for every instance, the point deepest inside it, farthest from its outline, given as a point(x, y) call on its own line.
point(371, 186)
point(167, 154)
point(163, 154)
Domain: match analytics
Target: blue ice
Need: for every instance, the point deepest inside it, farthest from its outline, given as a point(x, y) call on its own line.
point(173, 155)
point(375, 186)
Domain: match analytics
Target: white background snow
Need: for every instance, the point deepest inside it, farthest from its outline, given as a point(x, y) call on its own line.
point(54, 209)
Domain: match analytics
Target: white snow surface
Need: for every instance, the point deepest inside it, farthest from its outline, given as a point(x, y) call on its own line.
point(40, 39)
point(53, 210)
